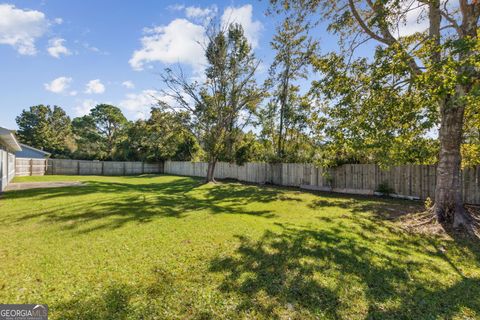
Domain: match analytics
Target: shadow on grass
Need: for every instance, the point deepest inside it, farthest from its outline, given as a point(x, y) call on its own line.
point(112, 304)
point(384, 208)
point(159, 297)
point(113, 204)
point(322, 274)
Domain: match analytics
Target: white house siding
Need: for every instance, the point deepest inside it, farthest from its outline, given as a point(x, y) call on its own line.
point(7, 168)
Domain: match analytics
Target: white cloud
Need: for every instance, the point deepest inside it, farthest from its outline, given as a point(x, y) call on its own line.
point(91, 48)
point(181, 40)
point(58, 85)
point(85, 106)
point(73, 93)
point(139, 104)
point(176, 7)
point(414, 20)
point(56, 48)
point(244, 16)
point(193, 12)
point(95, 87)
point(128, 84)
point(178, 42)
point(21, 28)
point(58, 20)
point(198, 12)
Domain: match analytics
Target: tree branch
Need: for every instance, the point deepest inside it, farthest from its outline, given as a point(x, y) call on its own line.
point(386, 37)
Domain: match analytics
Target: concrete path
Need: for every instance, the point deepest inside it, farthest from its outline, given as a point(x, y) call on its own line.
point(35, 185)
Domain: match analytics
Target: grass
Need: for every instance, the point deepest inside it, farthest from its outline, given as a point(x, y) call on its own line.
point(165, 247)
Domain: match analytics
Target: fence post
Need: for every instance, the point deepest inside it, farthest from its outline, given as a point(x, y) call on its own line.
point(31, 167)
point(103, 162)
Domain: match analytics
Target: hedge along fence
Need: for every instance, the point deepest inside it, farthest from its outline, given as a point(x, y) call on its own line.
point(407, 181)
point(107, 168)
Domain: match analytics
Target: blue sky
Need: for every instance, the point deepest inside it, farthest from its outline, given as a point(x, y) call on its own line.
point(76, 54)
point(51, 50)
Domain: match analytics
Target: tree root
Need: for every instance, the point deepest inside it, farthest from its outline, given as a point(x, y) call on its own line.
point(423, 222)
point(212, 181)
point(426, 223)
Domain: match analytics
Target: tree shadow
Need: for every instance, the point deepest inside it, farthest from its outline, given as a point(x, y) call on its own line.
point(309, 273)
point(112, 304)
point(116, 204)
point(380, 207)
point(158, 296)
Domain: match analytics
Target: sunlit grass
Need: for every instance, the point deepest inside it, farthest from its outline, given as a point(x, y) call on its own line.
point(164, 247)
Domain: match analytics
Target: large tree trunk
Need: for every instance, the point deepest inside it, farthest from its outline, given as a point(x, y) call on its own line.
point(448, 192)
point(211, 171)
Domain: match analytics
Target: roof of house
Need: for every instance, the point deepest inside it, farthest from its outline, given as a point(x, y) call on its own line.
point(8, 138)
point(35, 149)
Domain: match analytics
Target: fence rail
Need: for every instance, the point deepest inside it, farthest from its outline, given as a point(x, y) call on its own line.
point(409, 181)
point(30, 167)
point(107, 168)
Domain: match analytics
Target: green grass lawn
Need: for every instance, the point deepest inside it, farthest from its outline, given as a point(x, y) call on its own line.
point(165, 247)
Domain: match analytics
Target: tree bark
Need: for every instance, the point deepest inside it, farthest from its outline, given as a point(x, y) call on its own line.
point(211, 171)
point(283, 108)
point(448, 207)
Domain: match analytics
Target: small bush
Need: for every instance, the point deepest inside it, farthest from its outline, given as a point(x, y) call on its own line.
point(385, 188)
point(428, 203)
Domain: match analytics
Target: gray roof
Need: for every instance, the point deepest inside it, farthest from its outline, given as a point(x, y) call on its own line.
point(35, 149)
point(8, 138)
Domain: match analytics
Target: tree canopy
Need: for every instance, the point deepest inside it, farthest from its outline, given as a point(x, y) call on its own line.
point(46, 128)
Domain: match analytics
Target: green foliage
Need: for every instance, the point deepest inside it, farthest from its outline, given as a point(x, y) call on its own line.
point(248, 149)
point(165, 135)
point(385, 188)
point(471, 146)
point(384, 109)
point(286, 120)
point(368, 120)
point(99, 133)
point(219, 107)
point(428, 203)
point(87, 138)
point(471, 154)
point(45, 128)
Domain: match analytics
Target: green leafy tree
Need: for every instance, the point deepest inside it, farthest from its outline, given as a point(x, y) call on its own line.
point(471, 143)
point(221, 105)
point(285, 114)
point(442, 62)
point(367, 119)
point(88, 140)
point(99, 133)
point(45, 128)
point(164, 136)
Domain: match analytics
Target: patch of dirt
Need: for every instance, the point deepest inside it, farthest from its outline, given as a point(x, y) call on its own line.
point(36, 185)
point(426, 223)
point(423, 223)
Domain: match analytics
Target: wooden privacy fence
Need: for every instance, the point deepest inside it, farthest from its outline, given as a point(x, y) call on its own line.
point(30, 167)
point(107, 168)
point(408, 181)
